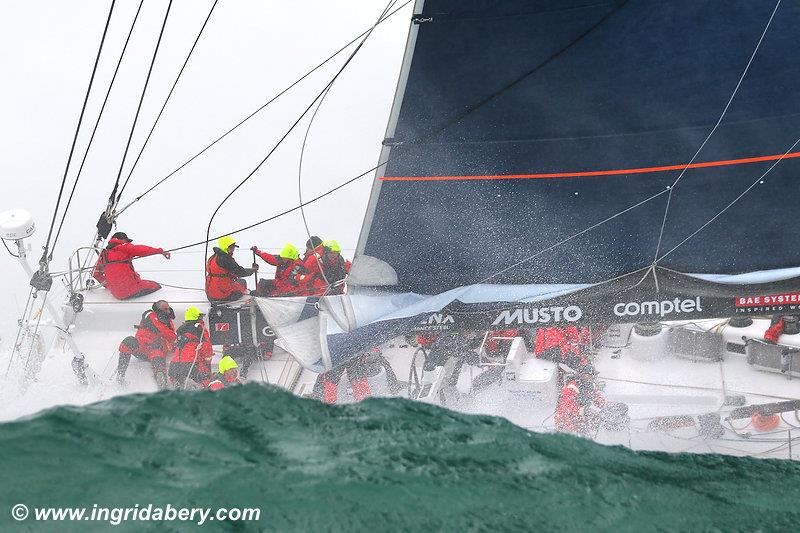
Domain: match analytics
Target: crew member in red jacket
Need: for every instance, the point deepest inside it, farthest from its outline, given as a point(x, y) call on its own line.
point(335, 266)
point(562, 344)
point(580, 404)
point(308, 277)
point(193, 351)
point(228, 374)
point(223, 273)
point(324, 269)
point(287, 267)
point(115, 267)
point(155, 337)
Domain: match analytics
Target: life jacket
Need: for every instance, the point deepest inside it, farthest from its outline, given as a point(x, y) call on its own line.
point(192, 343)
point(220, 282)
point(286, 272)
point(153, 334)
point(309, 279)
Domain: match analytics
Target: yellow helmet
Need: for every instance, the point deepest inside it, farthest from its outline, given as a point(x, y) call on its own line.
point(332, 245)
point(226, 242)
point(227, 363)
point(192, 313)
point(289, 252)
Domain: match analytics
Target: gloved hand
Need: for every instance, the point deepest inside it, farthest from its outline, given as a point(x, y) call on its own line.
point(255, 267)
point(255, 249)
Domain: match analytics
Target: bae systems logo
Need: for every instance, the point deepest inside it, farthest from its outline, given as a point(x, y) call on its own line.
point(541, 315)
point(661, 309)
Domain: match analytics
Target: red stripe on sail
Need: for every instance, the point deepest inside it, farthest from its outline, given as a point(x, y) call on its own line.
point(642, 170)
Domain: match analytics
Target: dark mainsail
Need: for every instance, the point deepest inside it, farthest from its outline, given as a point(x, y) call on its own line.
point(579, 161)
point(523, 123)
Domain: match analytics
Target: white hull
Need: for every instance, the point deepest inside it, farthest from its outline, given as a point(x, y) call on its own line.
point(639, 371)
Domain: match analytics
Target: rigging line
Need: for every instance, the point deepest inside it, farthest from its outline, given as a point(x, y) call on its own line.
point(45, 255)
point(300, 187)
point(169, 95)
point(712, 219)
point(36, 330)
point(138, 110)
point(285, 212)
point(468, 111)
point(305, 141)
point(97, 123)
point(714, 129)
point(14, 348)
point(254, 113)
point(9, 249)
point(575, 235)
point(280, 141)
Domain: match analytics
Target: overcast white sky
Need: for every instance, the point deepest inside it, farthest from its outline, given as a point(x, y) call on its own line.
point(249, 51)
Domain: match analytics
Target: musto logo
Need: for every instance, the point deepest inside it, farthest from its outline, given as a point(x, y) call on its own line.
point(661, 309)
point(541, 315)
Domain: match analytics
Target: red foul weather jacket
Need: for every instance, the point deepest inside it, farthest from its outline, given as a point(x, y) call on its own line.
point(570, 415)
point(285, 272)
point(222, 276)
point(313, 281)
point(567, 339)
point(115, 267)
point(156, 338)
point(193, 341)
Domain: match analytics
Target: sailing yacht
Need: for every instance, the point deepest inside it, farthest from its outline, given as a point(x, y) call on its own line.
point(621, 166)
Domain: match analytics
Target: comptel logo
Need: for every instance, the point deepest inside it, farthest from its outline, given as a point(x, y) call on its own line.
point(661, 309)
point(540, 315)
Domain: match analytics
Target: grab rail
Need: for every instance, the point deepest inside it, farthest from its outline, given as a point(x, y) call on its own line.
point(80, 277)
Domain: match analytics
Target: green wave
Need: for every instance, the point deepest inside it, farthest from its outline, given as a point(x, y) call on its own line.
point(383, 464)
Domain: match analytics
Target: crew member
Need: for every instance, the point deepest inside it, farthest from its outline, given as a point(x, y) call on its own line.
point(358, 370)
point(562, 345)
point(193, 351)
point(582, 408)
point(114, 267)
point(155, 337)
point(579, 403)
point(228, 374)
point(287, 266)
point(335, 266)
point(223, 273)
point(310, 278)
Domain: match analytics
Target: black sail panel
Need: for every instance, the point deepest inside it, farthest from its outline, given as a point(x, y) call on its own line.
point(536, 143)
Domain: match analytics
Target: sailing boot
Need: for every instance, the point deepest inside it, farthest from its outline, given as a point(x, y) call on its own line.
point(160, 372)
point(127, 348)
